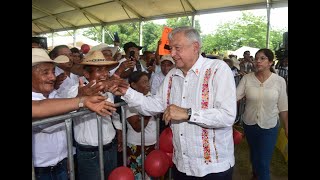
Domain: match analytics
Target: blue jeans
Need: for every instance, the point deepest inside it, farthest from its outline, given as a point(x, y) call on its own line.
point(60, 173)
point(261, 143)
point(88, 163)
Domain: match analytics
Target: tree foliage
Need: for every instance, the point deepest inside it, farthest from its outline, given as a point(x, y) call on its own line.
point(247, 30)
point(130, 32)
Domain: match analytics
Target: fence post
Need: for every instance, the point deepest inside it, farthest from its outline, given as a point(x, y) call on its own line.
point(100, 146)
point(68, 123)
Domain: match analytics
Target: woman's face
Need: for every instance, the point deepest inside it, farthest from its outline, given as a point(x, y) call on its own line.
point(262, 62)
point(142, 85)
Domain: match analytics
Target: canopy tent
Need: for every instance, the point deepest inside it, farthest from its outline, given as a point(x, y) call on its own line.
point(239, 52)
point(59, 15)
point(69, 41)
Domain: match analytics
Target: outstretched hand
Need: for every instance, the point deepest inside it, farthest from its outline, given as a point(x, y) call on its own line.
point(99, 105)
point(91, 89)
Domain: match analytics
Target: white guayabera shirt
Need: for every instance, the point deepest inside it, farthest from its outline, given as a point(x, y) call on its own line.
point(204, 144)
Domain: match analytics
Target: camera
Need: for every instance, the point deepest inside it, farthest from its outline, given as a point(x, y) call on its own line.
point(151, 62)
point(131, 55)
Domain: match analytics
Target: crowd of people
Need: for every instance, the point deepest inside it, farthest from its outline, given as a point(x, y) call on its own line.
point(193, 95)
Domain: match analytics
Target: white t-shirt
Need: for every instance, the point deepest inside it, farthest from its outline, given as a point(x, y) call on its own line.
point(134, 137)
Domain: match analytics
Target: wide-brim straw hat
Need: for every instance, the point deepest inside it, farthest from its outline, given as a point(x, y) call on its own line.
point(96, 58)
point(236, 63)
point(39, 55)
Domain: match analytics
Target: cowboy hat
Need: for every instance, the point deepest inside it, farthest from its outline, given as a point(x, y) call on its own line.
point(96, 58)
point(39, 55)
point(235, 62)
point(102, 47)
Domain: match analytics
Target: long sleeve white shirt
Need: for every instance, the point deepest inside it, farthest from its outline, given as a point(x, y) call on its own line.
point(86, 128)
point(204, 144)
point(49, 145)
point(69, 86)
point(264, 100)
point(156, 81)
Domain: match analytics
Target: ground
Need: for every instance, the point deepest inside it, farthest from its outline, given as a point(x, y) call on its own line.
point(242, 169)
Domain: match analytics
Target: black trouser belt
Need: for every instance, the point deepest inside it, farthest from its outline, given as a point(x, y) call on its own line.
point(89, 148)
point(42, 170)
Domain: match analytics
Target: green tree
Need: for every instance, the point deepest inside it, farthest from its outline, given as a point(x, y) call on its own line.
point(182, 21)
point(127, 32)
point(248, 30)
point(151, 35)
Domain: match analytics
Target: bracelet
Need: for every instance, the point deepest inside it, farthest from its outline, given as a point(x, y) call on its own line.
point(81, 99)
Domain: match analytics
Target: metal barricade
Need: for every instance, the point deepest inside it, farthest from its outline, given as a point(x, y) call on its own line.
point(68, 123)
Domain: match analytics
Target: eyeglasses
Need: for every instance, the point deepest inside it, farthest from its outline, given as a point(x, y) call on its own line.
point(262, 58)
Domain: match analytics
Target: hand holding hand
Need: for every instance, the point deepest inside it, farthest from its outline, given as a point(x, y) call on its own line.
point(99, 105)
point(92, 88)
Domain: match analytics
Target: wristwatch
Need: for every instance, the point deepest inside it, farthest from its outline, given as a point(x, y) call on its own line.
point(189, 111)
point(80, 105)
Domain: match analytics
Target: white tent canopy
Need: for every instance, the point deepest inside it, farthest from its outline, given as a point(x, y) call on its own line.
point(239, 52)
point(59, 15)
point(69, 41)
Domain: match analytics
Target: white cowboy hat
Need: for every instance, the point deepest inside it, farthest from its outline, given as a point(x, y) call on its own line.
point(39, 55)
point(96, 58)
point(102, 47)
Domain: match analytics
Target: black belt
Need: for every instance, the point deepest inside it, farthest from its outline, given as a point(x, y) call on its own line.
point(89, 148)
point(44, 170)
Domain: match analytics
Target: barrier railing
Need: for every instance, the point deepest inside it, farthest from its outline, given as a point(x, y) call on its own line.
point(68, 124)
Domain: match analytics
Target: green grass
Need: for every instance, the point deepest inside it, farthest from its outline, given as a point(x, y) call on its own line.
point(278, 167)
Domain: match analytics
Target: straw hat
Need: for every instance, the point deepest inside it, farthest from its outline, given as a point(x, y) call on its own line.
point(39, 55)
point(236, 63)
point(167, 57)
point(96, 58)
point(102, 47)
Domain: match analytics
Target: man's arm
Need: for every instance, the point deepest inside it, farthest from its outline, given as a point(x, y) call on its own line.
point(52, 107)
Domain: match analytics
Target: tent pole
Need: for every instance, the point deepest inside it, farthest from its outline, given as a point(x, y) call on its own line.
point(268, 23)
point(193, 21)
point(140, 33)
point(74, 38)
point(102, 34)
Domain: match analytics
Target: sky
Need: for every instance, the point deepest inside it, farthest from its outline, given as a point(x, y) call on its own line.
point(208, 22)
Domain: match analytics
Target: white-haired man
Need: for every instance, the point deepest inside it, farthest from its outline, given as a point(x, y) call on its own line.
point(49, 146)
point(198, 98)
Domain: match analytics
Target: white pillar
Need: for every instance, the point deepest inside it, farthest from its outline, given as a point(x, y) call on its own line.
point(74, 38)
point(193, 21)
point(102, 34)
point(268, 23)
point(52, 40)
point(140, 33)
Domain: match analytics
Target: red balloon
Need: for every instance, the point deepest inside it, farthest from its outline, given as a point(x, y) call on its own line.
point(169, 156)
point(156, 163)
point(237, 136)
point(121, 173)
point(165, 140)
point(85, 48)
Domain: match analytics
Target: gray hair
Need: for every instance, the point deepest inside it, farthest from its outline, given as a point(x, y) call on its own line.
point(191, 33)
